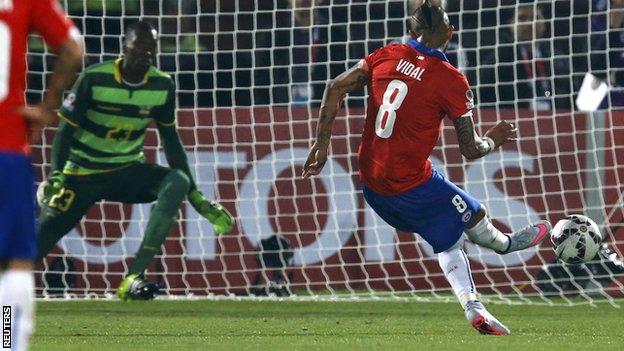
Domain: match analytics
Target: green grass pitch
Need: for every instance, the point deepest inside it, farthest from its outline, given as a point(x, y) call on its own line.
point(273, 325)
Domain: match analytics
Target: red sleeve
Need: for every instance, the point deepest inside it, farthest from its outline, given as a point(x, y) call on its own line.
point(372, 58)
point(457, 99)
point(50, 21)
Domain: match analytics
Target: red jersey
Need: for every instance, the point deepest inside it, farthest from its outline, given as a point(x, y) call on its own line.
point(18, 18)
point(412, 88)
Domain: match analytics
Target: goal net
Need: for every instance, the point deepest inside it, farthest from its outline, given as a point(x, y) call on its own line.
point(250, 76)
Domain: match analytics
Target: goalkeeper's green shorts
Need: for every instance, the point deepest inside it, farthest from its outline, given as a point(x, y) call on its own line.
point(136, 183)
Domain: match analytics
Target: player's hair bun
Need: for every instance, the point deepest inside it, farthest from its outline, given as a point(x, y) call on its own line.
point(428, 17)
point(426, 11)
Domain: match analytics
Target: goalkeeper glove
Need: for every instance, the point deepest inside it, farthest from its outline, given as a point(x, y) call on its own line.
point(49, 187)
point(216, 214)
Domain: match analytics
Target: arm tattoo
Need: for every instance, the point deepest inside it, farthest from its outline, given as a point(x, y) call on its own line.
point(470, 144)
point(349, 81)
point(362, 78)
point(355, 79)
point(465, 132)
point(323, 133)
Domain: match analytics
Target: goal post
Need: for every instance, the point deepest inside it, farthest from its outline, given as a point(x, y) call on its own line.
point(250, 76)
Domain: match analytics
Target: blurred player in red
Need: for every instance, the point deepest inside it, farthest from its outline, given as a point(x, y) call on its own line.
point(411, 88)
point(20, 126)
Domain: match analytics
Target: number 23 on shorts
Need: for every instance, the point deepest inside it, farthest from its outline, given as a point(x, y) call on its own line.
point(62, 200)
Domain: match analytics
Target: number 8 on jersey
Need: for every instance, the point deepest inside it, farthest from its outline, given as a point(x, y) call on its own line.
point(392, 99)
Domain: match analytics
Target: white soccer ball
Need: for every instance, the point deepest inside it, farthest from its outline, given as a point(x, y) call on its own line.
point(576, 239)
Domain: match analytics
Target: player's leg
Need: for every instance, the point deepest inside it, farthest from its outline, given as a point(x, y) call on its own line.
point(147, 183)
point(168, 187)
point(17, 245)
point(454, 211)
point(65, 209)
point(458, 211)
point(439, 211)
point(456, 268)
point(481, 231)
point(17, 291)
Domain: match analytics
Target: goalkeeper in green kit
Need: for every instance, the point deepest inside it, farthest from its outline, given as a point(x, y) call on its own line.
point(97, 154)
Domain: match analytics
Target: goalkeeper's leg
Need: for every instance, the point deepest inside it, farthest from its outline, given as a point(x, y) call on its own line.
point(482, 232)
point(64, 210)
point(456, 268)
point(144, 183)
point(171, 193)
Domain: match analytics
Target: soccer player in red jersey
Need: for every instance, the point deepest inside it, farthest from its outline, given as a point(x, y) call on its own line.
point(411, 88)
point(20, 126)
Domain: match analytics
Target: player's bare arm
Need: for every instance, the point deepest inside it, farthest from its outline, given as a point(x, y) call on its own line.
point(351, 80)
point(69, 59)
point(472, 146)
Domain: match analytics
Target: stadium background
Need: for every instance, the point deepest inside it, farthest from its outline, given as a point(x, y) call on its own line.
point(246, 115)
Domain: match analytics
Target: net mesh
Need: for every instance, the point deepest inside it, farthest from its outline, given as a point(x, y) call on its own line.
point(250, 76)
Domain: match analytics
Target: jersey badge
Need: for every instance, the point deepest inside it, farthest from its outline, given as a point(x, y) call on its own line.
point(68, 103)
point(145, 110)
point(470, 97)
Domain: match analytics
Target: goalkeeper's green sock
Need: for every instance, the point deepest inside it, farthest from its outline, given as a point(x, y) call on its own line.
point(173, 189)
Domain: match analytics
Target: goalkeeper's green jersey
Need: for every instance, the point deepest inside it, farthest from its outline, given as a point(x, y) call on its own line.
point(111, 117)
